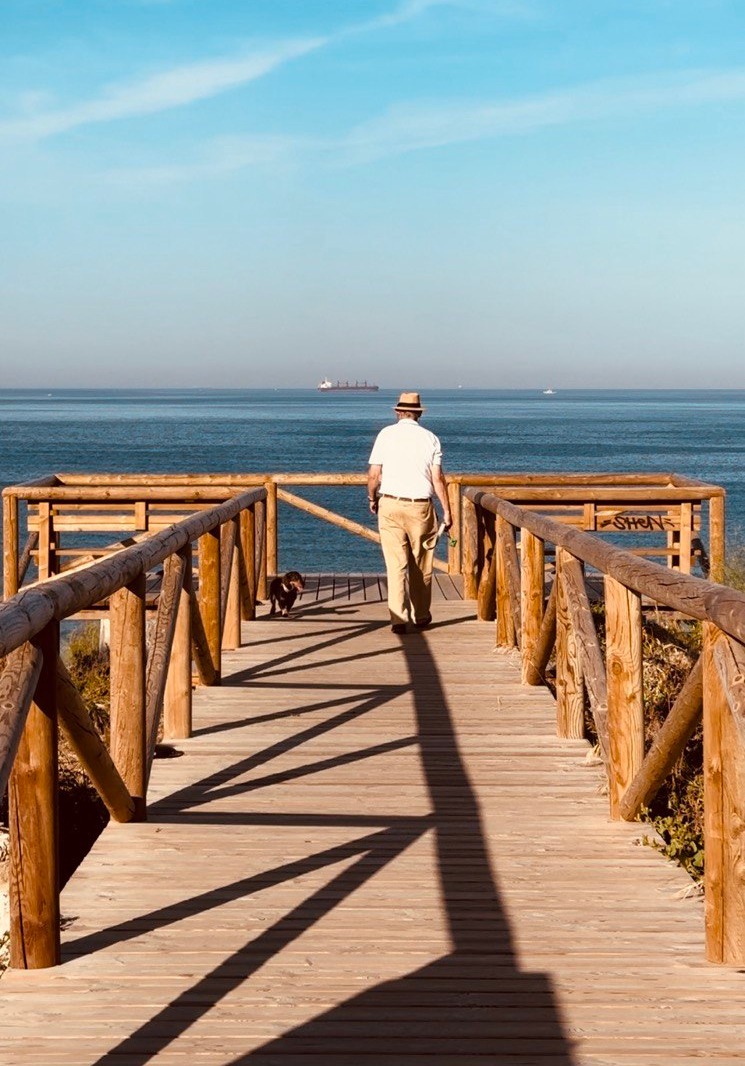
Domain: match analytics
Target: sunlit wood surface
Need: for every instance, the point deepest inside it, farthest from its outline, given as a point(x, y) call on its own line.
point(374, 850)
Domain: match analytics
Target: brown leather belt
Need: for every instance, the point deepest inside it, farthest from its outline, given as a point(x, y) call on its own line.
point(407, 499)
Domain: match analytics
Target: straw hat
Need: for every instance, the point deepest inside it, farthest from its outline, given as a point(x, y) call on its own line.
point(409, 401)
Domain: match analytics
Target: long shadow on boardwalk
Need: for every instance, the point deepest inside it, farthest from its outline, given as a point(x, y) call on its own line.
point(471, 1006)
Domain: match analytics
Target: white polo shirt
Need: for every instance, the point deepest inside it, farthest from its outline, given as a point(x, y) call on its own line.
point(407, 452)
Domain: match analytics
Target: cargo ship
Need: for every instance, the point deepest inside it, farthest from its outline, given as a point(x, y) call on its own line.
point(346, 386)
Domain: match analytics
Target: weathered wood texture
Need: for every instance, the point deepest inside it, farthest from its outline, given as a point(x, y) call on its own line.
point(128, 695)
point(33, 818)
point(375, 850)
point(623, 657)
point(724, 797)
point(17, 686)
point(177, 707)
point(570, 694)
point(690, 595)
point(587, 645)
point(30, 611)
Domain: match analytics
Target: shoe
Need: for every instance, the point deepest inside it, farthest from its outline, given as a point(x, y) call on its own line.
point(424, 622)
point(398, 627)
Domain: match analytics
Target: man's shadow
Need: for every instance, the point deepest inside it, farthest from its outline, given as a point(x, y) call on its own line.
point(473, 1003)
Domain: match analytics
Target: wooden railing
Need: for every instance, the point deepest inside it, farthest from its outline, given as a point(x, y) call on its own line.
point(198, 614)
point(645, 507)
point(511, 575)
point(233, 521)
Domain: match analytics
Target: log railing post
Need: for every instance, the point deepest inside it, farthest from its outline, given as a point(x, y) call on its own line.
point(505, 621)
point(570, 697)
point(231, 633)
point(724, 799)
point(469, 549)
point(208, 597)
point(11, 546)
point(623, 635)
point(686, 537)
point(717, 542)
point(455, 550)
point(34, 823)
point(271, 530)
point(531, 597)
point(46, 563)
point(128, 678)
point(177, 702)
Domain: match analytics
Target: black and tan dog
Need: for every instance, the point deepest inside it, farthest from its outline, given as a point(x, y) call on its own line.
point(283, 592)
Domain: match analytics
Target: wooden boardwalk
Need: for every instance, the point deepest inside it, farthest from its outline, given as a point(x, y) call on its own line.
point(374, 850)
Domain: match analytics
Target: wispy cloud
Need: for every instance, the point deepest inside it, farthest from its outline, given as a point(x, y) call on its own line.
point(409, 128)
point(191, 82)
point(161, 92)
point(217, 158)
point(416, 127)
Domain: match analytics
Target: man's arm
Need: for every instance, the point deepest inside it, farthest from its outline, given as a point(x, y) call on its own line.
point(441, 491)
point(374, 475)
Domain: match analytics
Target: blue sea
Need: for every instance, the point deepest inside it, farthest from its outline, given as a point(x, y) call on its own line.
point(697, 433)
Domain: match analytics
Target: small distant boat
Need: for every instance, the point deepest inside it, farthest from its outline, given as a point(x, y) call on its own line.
point(548, 392)
point(346, 386)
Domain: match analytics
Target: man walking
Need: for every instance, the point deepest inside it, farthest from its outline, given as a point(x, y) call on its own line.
point(405, 472)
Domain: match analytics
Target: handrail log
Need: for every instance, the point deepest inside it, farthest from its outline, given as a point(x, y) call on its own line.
point(231, 479)
point(17, 687)
point(667, 746)
point(30, 610)
point(692, 596)
point(90, 749)
point(339, 520)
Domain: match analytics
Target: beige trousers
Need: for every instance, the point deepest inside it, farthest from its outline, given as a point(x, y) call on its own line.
point(407, 537)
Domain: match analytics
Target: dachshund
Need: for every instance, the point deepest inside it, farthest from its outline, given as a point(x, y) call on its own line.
point(283, 592)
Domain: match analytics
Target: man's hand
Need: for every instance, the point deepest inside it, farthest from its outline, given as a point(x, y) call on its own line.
point(373, 505)
point(447, 519)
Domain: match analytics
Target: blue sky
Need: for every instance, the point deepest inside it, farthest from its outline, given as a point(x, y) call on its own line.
point(424, 193)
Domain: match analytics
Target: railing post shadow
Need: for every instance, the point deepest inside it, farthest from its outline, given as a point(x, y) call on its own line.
point(34, 823)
